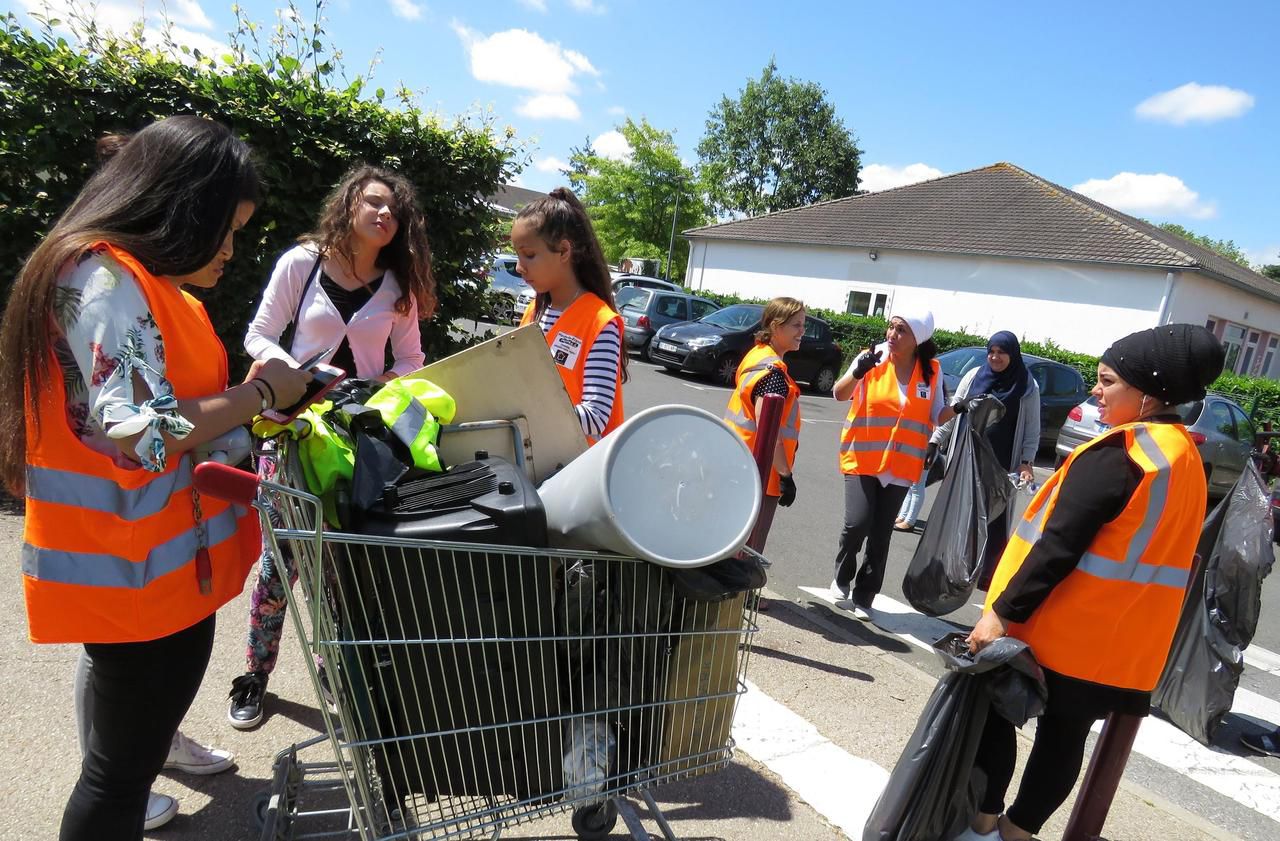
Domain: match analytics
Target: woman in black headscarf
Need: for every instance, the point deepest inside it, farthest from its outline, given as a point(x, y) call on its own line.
point(1015, 437)
point(1094, 577)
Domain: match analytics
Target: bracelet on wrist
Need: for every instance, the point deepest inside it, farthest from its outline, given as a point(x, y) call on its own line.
point(269, 389)
point(262, 396)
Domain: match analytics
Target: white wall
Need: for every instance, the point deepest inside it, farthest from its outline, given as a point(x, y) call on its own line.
point(1196, 298)
point(1083, 307)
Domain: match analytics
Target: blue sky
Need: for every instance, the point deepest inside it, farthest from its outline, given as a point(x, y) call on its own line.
point(1168, 110)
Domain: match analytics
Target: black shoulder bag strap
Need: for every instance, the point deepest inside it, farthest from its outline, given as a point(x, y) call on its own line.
point(292, 327)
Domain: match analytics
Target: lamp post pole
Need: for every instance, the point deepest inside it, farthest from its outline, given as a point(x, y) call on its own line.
point(671, 244)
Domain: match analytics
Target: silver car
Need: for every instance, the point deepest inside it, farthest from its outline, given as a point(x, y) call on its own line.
point(505, 287)
point(1223, 433)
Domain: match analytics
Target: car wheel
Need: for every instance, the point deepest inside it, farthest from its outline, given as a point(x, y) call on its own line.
point(726, 370)
point(644, 350)
point(824, 380)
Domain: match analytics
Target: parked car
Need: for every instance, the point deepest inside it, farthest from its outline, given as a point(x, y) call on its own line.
point(623, 281)
point(645, 311)
point(1061, 386)
point(1223, 433)
point(505, 287)
point(715, 344)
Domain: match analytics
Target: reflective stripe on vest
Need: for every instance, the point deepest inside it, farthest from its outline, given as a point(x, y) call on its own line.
point(1112, 619)
point(66, 487)
point(410, 409)
point(739, 414)
point(100, 570)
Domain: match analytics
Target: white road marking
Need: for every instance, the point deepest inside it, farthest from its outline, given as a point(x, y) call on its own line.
point(695, 387)
point(842, 787)
point(1245, 782)
point(1263, 661)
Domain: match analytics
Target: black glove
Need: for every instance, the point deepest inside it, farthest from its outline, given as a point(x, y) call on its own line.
point(930, 454)
point(960, 407)
point(868, 360)
point(788, 484)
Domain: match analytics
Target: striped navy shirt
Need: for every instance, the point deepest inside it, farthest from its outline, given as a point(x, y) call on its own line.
point(599, 374)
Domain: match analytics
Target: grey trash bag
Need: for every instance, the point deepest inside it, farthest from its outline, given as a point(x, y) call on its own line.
point(933, 792)
point(1220, 613)
point(975, 490)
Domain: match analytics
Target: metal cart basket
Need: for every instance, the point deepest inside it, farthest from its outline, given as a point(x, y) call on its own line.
point(475, 687)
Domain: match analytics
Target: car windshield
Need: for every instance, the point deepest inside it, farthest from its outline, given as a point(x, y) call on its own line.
point(1190, 412)
point(632, 296)
point(958, 362)
point(738, 317)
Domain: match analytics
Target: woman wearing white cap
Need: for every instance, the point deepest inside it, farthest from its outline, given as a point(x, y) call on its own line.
point(897, 400)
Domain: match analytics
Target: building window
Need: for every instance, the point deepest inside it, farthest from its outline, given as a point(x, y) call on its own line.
point(1268, 367)
point(867, 303)
point(1212, 326)
point(1233, 342)
point(1250, 351)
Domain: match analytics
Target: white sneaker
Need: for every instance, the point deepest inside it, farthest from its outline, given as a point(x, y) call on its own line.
point(161, 808)
point(194, 758)
point(839, 593)
point(971, 834)
point(862, 615)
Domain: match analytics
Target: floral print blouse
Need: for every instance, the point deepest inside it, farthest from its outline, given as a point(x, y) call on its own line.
point(108, 336)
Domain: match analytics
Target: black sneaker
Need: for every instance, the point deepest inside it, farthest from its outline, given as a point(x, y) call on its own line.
point(1265, 743)
point(247, 694)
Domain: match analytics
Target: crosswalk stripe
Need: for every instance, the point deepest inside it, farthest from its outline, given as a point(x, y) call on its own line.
point(1245, 782)
point(843, 788)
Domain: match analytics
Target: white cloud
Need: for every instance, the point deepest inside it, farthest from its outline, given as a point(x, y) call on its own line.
point(616, 110)
point(519, 58)
point(876, 177)
point(1195, 103)
point(1267, 255)
point(536, 5)
point(1148, 195)
point(189, 13)
point(406, 9)
point(587, 6)
point(549, 164)
point(612, 145)
point(549, 106)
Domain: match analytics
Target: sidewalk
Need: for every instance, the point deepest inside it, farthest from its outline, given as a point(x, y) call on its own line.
point(862, 700)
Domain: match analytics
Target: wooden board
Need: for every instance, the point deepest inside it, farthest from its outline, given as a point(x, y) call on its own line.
point(509, 377)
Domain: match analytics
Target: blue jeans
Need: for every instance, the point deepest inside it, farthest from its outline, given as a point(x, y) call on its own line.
point(911, 506)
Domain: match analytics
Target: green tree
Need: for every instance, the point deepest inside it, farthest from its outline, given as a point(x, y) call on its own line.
point(778, 145)
point(1271, 270)
point(1226, 247)
point(284, 91)
point(632, 202)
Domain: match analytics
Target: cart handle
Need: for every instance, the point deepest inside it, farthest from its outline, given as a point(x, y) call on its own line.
point(221, 481)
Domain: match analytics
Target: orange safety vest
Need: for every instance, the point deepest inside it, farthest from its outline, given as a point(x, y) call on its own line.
point(109, 553)
point(740, 414)
point(570, 341)
point(881, 435)
point(1112, 619)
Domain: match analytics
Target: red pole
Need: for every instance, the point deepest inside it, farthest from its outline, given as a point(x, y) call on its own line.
point(767, 426)
point(1101, 781)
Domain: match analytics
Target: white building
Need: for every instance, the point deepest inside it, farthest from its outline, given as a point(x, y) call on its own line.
point(995, 249)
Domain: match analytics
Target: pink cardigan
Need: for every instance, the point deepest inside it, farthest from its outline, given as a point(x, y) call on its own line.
point(320, 326)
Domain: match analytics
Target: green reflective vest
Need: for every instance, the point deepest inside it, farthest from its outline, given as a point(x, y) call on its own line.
point(413, 410)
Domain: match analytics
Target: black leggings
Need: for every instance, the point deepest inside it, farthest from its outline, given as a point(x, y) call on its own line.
point(1052, 767)
point(141, 691)
point(869, 511)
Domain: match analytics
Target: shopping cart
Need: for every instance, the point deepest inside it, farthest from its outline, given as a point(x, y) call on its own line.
point(476, 687)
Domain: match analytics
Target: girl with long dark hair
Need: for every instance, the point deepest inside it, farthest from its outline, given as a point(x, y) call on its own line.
point(123, 376)
point(557, 254)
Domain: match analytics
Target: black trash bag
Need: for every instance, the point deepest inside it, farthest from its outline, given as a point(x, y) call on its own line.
point(1220, 614)
point(719, 581)
point(975, 490)
point(933, 792)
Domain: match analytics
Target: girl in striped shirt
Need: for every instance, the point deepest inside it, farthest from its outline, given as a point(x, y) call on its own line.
point(559, 256)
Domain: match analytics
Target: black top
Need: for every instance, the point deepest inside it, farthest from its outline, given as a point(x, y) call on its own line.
point(347, 302)
point(1094, 492)
point(774, 382)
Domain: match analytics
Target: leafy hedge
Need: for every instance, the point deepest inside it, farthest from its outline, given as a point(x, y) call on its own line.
point(1260, 397)
point(305, 132)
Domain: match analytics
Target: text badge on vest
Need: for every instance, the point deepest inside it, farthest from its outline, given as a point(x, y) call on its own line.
point(565, 350)
point(922, 390)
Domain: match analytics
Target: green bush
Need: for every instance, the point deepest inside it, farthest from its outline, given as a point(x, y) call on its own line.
point(305, 132)
point(1258, 396)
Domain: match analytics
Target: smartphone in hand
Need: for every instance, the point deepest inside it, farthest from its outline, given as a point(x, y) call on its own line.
point(324, 377)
